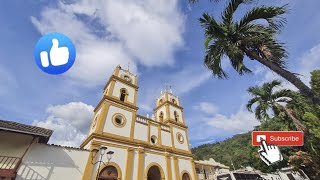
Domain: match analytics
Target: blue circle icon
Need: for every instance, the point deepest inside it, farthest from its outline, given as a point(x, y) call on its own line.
point(54, 53)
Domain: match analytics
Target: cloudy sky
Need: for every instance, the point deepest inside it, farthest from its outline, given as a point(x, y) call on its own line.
point(162, 41)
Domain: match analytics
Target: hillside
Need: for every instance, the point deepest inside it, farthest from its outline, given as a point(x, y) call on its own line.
point(239, 150)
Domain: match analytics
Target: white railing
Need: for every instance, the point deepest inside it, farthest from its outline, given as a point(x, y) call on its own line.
point(166, 128)
point(141, 119)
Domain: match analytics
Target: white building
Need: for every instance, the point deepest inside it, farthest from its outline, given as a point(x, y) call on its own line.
point(145, 148)
point(153, 148)
point(209, 169)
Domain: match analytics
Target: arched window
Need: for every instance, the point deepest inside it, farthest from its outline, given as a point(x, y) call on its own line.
point(176, 116)
point(161, 116)
point(108, 173)
point(174, 101)
point(185, 176)
point(123, 94)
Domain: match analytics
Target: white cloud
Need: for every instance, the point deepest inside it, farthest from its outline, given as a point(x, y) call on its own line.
point(240, 122)
point(69, 122)
point(308, 62)
point(182, 82)
point(206, 107)
point(107, 33)
point(188, 79)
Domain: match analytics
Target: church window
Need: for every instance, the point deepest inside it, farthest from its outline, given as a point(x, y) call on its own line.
point(161, 116)
point(123, 94)
point(127, 78)
point(119, 120)
point(180, 138)
point(176, 116)
point(174, 101)
point(154, 139)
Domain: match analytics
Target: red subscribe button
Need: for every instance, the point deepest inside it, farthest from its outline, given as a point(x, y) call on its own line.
point(280, 138)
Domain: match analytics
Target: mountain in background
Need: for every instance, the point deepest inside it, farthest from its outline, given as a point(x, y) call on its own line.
point(239, 151)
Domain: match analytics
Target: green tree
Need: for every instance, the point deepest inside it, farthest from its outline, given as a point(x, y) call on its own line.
point(249, 37)
point(315, 82)
point(267, 99)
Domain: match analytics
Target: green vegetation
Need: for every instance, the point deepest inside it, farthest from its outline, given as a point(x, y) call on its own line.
point(252, 36)
point(289, 111)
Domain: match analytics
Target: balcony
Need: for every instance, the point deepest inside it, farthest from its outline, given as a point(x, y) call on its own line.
point(9, 166)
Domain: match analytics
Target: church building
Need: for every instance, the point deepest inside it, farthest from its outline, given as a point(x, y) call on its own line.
point(121, 144)
point(144, 148)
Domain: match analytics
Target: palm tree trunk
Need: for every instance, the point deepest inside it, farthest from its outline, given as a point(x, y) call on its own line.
point(289, 76)
point(296, 122)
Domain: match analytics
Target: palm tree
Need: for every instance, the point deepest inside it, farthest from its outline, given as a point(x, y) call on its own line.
point(249, 37)
point(267, 99)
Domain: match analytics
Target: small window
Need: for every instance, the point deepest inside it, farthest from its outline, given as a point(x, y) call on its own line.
point(123, 94)
point(119, 120)
point(127, 78)
point(174, 101)
point(154, 139)
point(161, 116)
point(197, 170)
point(180, 138)
point(176, 116)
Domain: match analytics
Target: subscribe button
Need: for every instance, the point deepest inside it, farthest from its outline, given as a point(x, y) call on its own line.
point(280, 138)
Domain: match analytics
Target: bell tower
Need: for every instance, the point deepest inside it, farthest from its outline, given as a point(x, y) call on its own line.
point(115, 113)
point(170, 112)
point(168, 108)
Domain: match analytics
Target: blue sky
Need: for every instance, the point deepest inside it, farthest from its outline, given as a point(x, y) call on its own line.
point(163, 42)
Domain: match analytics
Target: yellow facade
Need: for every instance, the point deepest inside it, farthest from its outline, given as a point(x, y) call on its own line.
point(143, 146)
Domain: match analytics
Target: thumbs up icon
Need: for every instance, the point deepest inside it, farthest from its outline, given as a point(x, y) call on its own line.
point(58, 55)
point(54, 53)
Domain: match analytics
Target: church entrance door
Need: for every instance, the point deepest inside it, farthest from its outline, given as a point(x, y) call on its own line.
point(108, 173)
point(154, 173)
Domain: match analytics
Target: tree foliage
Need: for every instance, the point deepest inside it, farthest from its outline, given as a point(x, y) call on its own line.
point(252, 36)
point(242, 153)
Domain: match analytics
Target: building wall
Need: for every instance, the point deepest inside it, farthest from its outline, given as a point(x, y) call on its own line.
point(47, 162)
point(163, 110)
point(172, 109)
point(166, 138)
point(119, 157)
point(94, 121)
point(171, 96)
point(118, 86)
point(140, 132)
point(14, 144)
point(152, 158)
point(109, 127)
point(178, 145)
point(185, 166)
point(132, 77)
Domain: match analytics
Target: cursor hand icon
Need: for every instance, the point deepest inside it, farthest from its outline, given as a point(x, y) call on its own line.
point(269, 153)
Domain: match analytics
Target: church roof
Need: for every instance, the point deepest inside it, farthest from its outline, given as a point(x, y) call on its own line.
point(11, 126)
